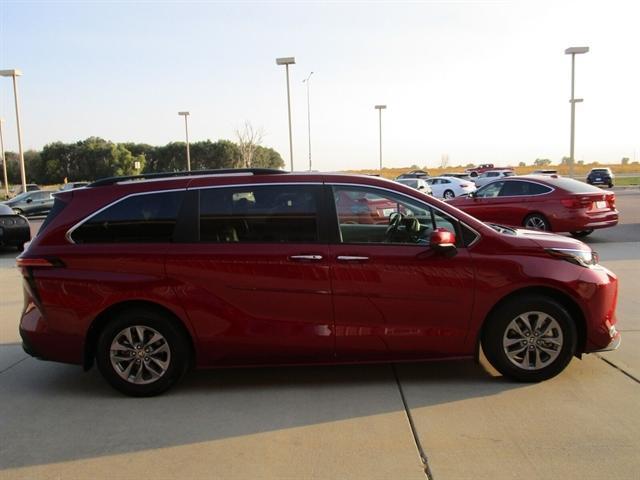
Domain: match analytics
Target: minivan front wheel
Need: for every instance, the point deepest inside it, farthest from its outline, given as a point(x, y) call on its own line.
point(530, 339)
point(141, 353)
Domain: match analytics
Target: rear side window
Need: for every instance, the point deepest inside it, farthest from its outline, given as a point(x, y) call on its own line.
point(518, 188)
point(261, 213)
point(147, 218)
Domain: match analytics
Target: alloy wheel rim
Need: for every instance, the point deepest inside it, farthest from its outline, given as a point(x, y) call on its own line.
point(536, 223)
point(140, 354)
point(448, 195)
point(532, 340)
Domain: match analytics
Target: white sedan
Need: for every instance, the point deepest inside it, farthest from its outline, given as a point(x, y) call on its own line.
point(417, 183)
point(450, 187)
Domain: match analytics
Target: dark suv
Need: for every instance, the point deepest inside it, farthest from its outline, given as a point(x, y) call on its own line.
point(601, 176)
point(149, 276)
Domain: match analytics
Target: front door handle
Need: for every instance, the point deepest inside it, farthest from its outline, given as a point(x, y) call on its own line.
point(351, 258)
point(305, 258)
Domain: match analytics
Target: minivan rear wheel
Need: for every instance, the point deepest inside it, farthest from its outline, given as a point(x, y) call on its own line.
point(142, 353)
point(530, 338)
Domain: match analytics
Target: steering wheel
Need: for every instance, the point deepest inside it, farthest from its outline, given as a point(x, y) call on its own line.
point(395, 220)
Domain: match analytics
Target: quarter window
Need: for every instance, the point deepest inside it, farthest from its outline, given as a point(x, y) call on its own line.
point(148, 218)
point(266, 213)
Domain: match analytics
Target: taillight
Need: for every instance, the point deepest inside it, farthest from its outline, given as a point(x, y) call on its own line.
point(611, 200)
point(577, 202)
point(38, 262)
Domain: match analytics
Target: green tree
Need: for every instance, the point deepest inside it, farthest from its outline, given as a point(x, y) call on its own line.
point(542, 162)
point(625, 161)
point(265, 157)
point(522, 164)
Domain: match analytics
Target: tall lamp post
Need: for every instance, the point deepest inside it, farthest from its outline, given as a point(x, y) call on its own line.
point(4, 161)
point(13, 74)
point(380, 108)
point(286, 61)
point(306, 80)
point(186, 131)
point(573, 51)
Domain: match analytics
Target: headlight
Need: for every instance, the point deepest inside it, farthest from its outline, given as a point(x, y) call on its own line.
point(584, 258)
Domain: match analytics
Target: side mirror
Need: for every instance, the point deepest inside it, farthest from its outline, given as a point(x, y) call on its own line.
point(443, 241)
point(472, 195)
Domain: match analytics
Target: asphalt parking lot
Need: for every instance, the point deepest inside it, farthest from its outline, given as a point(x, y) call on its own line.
point(444, 420)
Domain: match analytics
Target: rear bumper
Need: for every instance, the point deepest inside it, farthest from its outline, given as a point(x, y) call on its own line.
point(582, 220)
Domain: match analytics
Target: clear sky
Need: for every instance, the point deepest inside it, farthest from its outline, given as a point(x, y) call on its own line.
point(478, 81)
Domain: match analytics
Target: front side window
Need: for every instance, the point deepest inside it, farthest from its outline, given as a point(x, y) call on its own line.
point(261, 213)
point(490, 190)
point(146, 218)
point(369, 215)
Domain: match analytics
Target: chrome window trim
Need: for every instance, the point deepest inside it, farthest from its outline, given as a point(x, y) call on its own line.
point(479, 235)
point(67, 235)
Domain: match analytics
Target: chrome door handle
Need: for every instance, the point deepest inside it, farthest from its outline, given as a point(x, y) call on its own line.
point(351, 258)
point(305, 258)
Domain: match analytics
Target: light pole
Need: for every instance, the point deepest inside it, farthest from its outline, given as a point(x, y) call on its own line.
point(4, 161)
point(573, 51)
point(380, 108)
point(286, 61)
point(306, 80)
point(13, 74)
point(186, 131)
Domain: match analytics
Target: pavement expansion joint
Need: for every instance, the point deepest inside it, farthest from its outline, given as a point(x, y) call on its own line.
point(13, 365)
point(412, 426)
point(622, 370)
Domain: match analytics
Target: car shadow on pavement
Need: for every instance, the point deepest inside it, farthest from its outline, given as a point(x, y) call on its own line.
point(55, 413)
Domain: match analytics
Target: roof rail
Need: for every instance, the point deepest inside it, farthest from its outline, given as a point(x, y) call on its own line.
point(152, 176)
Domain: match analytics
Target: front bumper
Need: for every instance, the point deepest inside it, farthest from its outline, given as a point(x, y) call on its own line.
point(616, 339)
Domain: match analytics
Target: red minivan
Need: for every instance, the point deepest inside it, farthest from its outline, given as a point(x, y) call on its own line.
point(150, 276)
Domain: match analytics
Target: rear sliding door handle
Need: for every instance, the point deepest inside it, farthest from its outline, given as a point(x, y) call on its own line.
point(351, 258)
point(305, 258)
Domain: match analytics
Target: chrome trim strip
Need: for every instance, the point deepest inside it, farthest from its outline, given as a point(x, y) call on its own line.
point(305, 257)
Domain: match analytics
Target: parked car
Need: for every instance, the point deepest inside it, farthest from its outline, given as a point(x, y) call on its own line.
point(417, 183)
point(486, 177)
point(72, 185)
point(17, 189)
point(14, 229)
point(38, 202)
point(601, 176)
point(414, 174)
point(450, 187)
point(475, 171)
point(460, 175)
point(263, 267)
point(551, 203)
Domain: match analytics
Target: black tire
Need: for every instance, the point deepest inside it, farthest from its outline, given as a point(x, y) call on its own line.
point(498, 331)
point(150, 321)
point(581, 233)
point(473, 174)
point(536, 219)
point(448, 195)
point(611, 185)
point(20, 247)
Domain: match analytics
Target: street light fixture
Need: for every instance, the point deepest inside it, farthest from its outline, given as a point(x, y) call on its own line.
point(4, 161)
point(186, 131)
point(13, 73)
point(306, 80)
point(573, 51)
point(380, 108)
point(286, 61)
